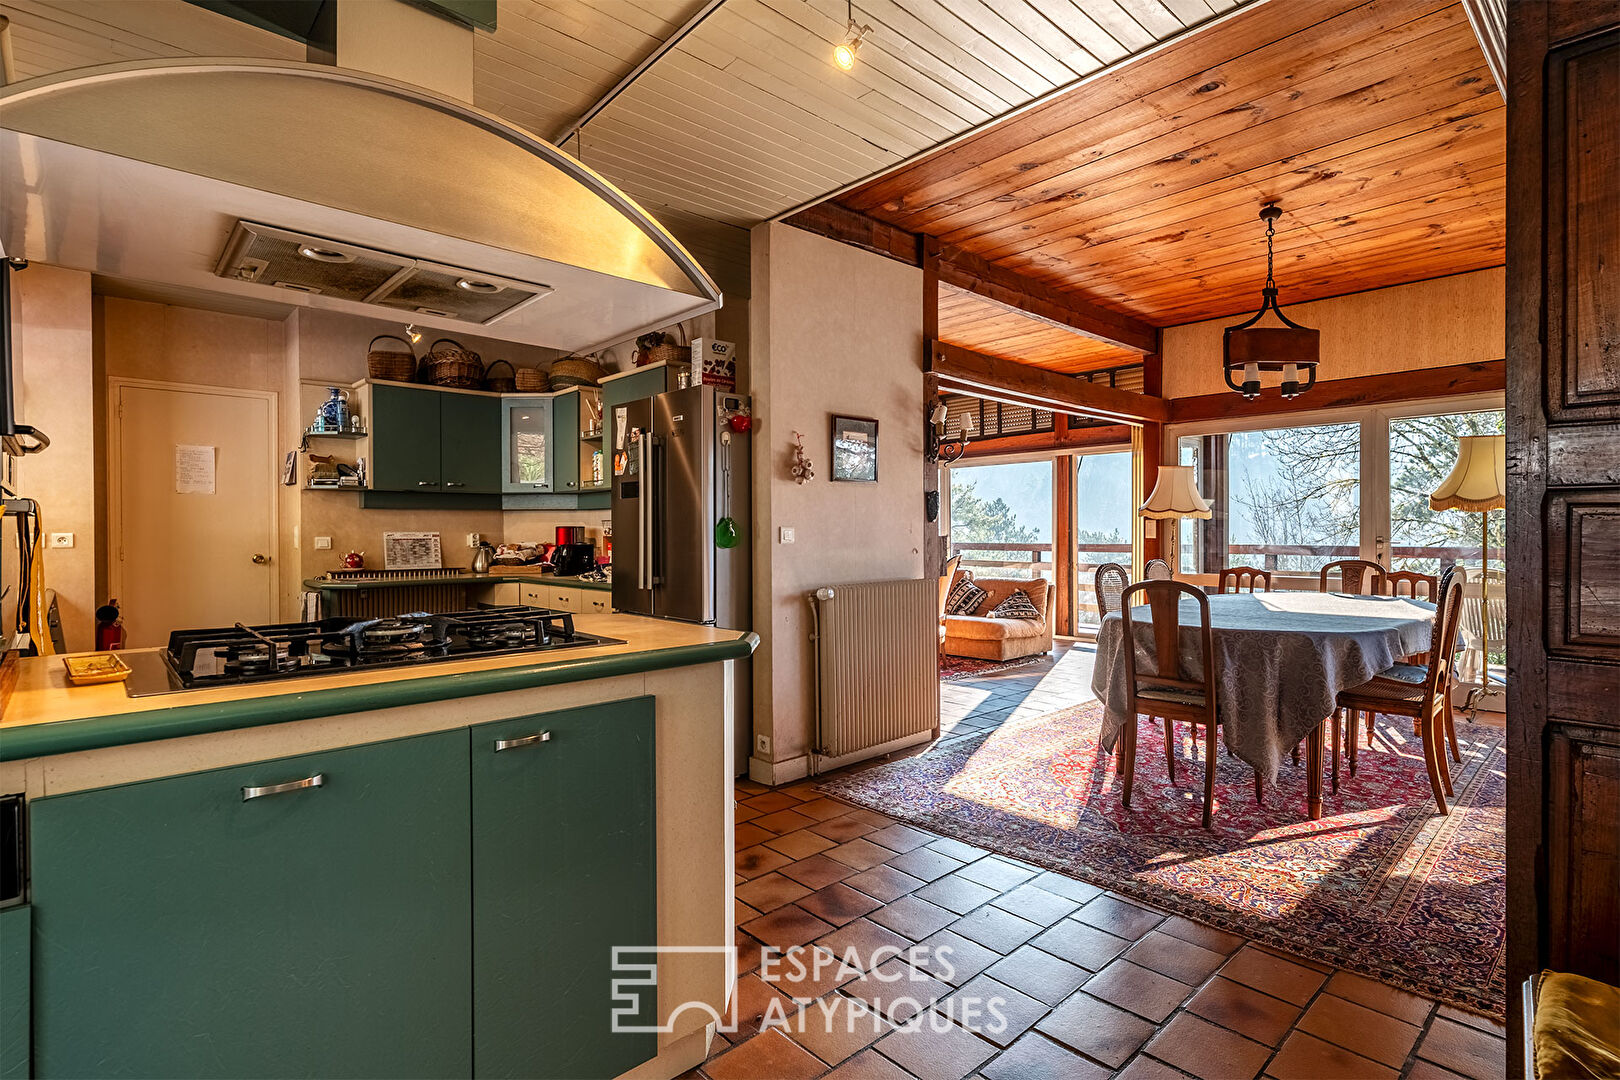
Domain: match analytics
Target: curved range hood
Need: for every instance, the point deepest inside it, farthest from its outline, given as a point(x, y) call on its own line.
point(210, 174)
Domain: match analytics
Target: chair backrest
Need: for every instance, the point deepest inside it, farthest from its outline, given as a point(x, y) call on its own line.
point(1411, 583)
point(1111, 583)
point(1157, 570)
point(1163, 602)
point(1443, 645)
point(1239, 576)
point(1359, 576)
point(946, 580)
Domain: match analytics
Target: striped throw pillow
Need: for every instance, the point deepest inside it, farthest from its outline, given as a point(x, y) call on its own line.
point(1016, 606)
point(964, 598)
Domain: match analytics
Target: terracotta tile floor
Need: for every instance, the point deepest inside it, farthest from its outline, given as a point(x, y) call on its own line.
point(1088, 984)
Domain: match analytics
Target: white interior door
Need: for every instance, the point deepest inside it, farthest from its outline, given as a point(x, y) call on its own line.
point(194, 527)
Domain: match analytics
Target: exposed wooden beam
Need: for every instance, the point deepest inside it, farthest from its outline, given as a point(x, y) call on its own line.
point(1474, 378)
point(995, 379)
point(969, 272)
point(1011, 289)
point(858, 230)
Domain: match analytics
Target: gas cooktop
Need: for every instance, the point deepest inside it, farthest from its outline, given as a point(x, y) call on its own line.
point(236, 655)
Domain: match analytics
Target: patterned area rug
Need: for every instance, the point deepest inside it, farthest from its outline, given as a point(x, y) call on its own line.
point(969, 667)
point(1381, 885)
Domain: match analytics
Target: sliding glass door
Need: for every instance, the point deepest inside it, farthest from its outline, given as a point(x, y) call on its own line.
point(1001, 518)
point(1102, 524)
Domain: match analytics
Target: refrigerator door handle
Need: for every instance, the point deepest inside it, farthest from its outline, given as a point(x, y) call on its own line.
point(644, 519)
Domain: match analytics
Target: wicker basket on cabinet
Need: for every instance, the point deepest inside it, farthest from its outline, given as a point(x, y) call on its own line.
point(501, 384)
point(449, 363)
point(575, 371)
point(396, 365)
point(531, 380)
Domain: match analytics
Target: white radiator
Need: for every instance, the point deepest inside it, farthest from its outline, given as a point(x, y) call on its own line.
point(877, 663)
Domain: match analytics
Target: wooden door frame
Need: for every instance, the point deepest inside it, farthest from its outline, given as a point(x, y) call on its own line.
point(115, 523)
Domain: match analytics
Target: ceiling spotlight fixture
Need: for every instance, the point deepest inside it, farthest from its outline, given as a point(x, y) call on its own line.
point(1291, 349)
point(413, 333)
point(844, 52)
point(325, 255)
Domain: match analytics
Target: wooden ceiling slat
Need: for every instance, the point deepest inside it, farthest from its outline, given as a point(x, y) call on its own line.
point(1035, 24)
point(1184, 120)
point(891, 22)
point(993, 23)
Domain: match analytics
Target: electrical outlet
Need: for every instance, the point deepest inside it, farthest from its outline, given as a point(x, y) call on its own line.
point(762, 744)
point(786, 534)
point(474, 539)
point(61, 540)
point(323, 543)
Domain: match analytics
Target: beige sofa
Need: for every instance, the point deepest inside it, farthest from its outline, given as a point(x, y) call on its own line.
point(1002, 639)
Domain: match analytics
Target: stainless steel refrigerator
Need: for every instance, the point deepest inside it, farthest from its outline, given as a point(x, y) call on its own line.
point(679, 472)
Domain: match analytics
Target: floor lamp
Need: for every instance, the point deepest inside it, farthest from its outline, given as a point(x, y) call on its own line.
point(1478, 483)
point(1175, 496)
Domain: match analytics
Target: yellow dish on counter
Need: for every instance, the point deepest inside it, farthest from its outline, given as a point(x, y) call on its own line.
point(96, 668)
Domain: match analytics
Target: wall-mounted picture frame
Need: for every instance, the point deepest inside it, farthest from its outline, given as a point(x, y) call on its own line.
point(855, 449)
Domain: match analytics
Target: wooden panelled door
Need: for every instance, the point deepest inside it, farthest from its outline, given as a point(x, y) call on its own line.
point(1563, 425)
point(193, 534)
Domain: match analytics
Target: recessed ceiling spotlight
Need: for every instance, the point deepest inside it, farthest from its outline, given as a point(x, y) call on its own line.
point(844, 52)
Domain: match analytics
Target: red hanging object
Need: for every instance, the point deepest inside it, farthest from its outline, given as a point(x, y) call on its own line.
point(741, 423)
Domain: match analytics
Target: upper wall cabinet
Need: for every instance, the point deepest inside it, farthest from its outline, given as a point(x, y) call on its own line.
point(540, 443)
point(434, 441)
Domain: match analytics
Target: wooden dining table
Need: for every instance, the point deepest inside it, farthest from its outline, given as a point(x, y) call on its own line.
point(1281, 660)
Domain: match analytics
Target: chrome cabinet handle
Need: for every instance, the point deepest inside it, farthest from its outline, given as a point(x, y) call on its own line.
point(526, 740)
point(427, 483)
point(453, 483)
point(318, 780)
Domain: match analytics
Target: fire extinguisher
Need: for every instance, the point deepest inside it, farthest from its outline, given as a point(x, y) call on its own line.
point(109, 627)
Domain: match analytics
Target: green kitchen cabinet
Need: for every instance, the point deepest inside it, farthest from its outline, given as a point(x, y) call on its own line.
point(434, 441)
point(526, 444)
point(15, 992)
point(405, 439)
point(565, 438)
point(564, 870)
point(470, 443)
point(212, 925)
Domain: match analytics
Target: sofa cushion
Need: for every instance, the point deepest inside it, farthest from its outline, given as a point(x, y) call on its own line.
point(964, 598)
point(982, 629)
point(1001, 588)
point(1016, 606)
point(1577, 1027)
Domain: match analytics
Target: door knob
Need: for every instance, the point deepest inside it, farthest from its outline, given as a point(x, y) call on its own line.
point(260, 560)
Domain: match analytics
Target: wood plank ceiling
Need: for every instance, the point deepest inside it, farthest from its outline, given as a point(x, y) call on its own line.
point(743, 119)
point(1376, 125)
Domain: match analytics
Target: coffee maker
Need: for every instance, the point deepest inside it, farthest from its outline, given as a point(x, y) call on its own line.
point(572, 560)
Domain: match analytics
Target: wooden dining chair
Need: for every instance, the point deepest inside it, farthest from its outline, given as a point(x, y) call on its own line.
point(1422, 695)
point(1168, 692)
point(1414, 669)
point(1157, 570)
point(1238, 577)
point(1111, 583)
point(1353, 577)
point(1411, 583)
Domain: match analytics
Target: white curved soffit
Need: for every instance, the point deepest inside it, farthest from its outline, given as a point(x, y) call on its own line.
point(353, 143)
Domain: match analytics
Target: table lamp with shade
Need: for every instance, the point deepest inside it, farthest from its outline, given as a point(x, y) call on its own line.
point(1478, 483)
point(1175, 496)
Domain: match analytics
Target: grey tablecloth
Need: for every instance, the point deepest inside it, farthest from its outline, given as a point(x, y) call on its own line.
point(1280, 660)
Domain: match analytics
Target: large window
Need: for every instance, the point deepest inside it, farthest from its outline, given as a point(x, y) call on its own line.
point(1422, 450)
point(1293, 498)
point(1286, 499)
point(1001, 518)
point(1102, 510)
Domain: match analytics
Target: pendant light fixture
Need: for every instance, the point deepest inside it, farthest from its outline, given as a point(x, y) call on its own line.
point(1291, 349)
point(844, 52)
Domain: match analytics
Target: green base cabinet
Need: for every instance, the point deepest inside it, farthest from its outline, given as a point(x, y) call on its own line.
point(564, 870)
point(181, 930)
point(15, 992)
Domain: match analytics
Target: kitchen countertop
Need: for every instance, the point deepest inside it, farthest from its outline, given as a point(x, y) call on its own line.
point(501, 576)
point(48, 715)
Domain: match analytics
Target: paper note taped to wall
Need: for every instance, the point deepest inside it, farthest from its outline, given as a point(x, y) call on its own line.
point(194, 470)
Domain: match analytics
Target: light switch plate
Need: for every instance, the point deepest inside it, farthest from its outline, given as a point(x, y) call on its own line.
point(61, 540)
point(786, 534)
point(323, 543)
